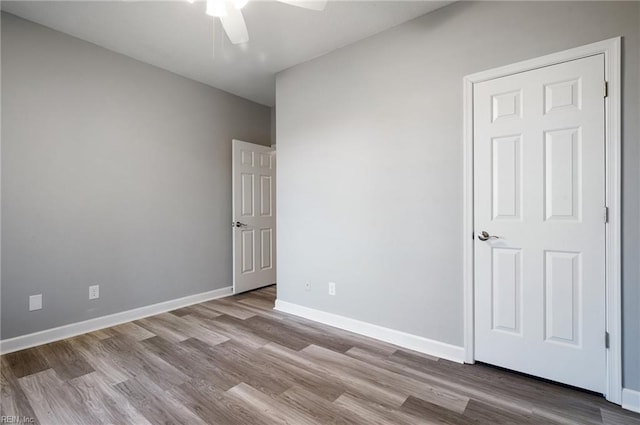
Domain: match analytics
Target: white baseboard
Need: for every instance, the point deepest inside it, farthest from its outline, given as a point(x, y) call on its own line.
point(402, 339)
point(631, 400)
point(74, 329)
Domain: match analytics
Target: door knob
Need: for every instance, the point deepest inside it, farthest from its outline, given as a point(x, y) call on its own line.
point(484, 236)
point(238, 224)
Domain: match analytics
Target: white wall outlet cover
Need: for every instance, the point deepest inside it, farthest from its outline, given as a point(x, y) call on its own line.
point(35, 302)
point(94, 292)
point(332, 288)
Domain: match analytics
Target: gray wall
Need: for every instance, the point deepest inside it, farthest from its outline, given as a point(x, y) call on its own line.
point(370, 161)
point(113, 172)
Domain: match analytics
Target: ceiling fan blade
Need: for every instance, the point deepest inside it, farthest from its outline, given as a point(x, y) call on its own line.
point(318, 5)
point(234, 25)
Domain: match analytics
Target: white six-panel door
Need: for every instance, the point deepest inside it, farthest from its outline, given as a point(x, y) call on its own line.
point(254, 216)
point(539, 193)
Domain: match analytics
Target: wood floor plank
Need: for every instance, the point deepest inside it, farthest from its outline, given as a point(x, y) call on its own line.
point(274, 411)
point(135, 361)
point(411, 359)
point(322, 410)
point(35, 388)
point(378, 414)
point(194, 363)
point(274, 332)
point(319, 384)
point(238, 361)
point(213, 406)
point(510, 391)
point(257, 302)
point(99, 399)
point(157, 406)
point(217, 371)
point(66, 361)
point(403, 384)
point(357, 383)
point(238, 334)
point(459, 384)
point(176, 329)
point(124, 409)
point(203, 333)
point(263, 312)
point(619, 417)
point(13, 401)
point(100, 359)
point(271, 289)
point(133, 331)
point(199, 310)
point(181, 311)
point(307, 335)
point(564, 417)
point(403, 369)
point(560, 404)
point(229, 308)
point(483, 413)
point(263, 332)
point(55, 401)
point(26, 362)
point(165, 325)
point(104, 333)
point(437, 414)
point(242, 364)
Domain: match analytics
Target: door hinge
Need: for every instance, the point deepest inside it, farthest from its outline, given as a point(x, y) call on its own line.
point(606, 340)
point(473, 236)
point(606, 214)
point(606, 89)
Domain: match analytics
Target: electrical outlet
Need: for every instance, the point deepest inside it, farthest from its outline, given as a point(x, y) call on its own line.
point(35, 302)
point(332, 288)
point(94, 292)
point(307, 286)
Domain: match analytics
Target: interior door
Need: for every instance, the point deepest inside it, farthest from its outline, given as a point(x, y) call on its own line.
point(254, 216)
point(539, 198)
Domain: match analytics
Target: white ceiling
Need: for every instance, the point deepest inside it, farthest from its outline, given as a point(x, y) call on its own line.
point(178, 36)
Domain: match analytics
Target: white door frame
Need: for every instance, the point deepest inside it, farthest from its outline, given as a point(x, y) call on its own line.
point(612, 52)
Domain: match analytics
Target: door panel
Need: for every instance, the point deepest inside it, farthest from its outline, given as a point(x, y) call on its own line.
point(247, 195)
point(539, 189)
point(266, 193)
point(562, 297)
point(266, 241)
point(254, 216)
point(506, 285)
point(563, 172)
point(506, 177)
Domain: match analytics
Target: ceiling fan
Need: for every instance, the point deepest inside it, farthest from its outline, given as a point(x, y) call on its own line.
point(230, 14)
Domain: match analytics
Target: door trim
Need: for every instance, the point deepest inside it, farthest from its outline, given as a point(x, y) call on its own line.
point(611, 49)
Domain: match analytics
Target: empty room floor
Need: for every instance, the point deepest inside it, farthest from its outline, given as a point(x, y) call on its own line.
point(236, 361)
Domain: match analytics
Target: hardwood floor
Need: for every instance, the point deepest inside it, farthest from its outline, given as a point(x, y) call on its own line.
point(236, 361)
